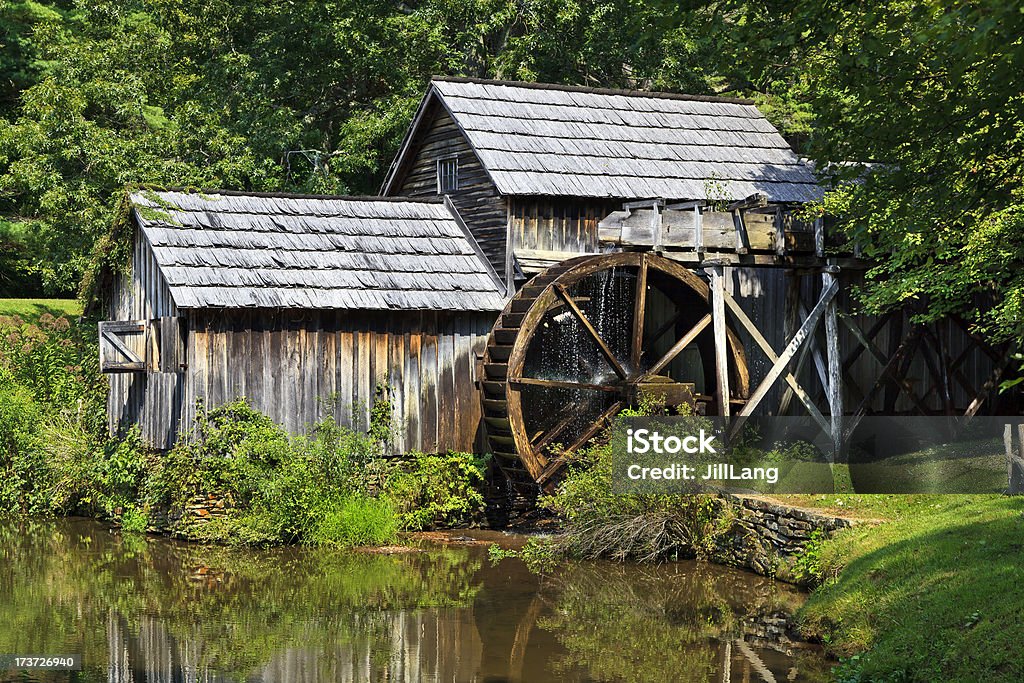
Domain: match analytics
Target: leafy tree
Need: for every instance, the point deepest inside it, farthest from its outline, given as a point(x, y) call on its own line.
point(919, 121)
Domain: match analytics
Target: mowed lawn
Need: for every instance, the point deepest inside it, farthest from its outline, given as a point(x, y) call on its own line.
point(933, 593)
point(31, 309)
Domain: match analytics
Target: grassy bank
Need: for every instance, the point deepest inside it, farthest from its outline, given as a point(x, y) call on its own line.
point(933, 593)
point(33, 308)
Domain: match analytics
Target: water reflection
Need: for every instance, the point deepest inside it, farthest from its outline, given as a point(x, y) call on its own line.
point(153, 610)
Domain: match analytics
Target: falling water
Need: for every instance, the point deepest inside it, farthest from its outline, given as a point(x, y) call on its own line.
point(563, 350)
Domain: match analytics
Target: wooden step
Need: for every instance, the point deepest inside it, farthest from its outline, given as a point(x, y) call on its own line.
point(512, 319)
point(503, 336)
point(521, 305)
point(505, 455)
point(496, 370)
point(494, 389)
point(498, 425)
point(499, 353)
point(495, 407)
point(498, 440)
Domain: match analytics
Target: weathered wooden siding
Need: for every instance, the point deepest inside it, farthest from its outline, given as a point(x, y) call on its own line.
point(477, 200)
point(299, 366)
point(547, 230)
point(152, 400)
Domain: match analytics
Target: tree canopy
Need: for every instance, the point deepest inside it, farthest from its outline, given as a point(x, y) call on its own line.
point(912, 109)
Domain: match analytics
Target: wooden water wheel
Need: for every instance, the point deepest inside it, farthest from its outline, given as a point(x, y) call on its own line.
point(587, 338)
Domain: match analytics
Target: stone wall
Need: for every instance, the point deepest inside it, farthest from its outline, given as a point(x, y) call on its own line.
point(198, 511)
point(767, 536)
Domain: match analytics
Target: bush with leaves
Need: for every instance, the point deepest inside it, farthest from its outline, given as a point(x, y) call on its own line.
point(318, 488)
point(56, 456)
point(439, 491)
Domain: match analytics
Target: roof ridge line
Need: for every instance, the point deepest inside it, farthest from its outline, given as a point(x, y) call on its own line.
point(287, 195)
point(596, 91)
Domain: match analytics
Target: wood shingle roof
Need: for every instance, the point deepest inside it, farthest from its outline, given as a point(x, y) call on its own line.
point(564, 141)
point(229, 250)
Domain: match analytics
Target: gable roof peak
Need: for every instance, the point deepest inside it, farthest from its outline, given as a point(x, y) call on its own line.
point(593, 90)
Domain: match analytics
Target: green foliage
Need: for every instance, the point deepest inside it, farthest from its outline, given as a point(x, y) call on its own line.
point(55, 453)
point(807, 567)
point(134, 520)
point(330, 486)
point(315, 488)
point(918, 102)
point(540, 555)
point(306, 96)
point(355, 521)
point(643, 527)
point(439, 491)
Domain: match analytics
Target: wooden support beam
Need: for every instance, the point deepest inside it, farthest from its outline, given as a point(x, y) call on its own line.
point(555, 464)
point(872, 332)
point(780, 232)
point(790, 324)
point(566, 418)
point(903, 350)
point(819, 359)
point(742, 239)
point(806, 329)
point(819, 238)
point(833, 352)
point(717, 276)
point(892, 389)
point(887, 364)
point(559, 384)
point(985, 390)
point(773, 358)
point(698, 230)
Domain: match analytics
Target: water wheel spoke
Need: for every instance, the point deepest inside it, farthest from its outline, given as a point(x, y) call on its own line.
point(678, 347)
point(668, 325)
point(639, 309)
point(542, 440)
point(561, 384)
point(555, 464)
point(591, 330)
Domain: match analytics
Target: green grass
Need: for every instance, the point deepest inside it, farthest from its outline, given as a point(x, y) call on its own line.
point(33, 308)
point(933, 593)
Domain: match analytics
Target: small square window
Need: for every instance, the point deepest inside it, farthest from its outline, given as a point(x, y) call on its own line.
point(447, 175)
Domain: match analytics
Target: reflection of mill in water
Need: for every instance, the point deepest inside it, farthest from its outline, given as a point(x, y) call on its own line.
point(513, 630)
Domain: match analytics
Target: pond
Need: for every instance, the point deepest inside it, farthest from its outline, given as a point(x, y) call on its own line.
point(140, 608)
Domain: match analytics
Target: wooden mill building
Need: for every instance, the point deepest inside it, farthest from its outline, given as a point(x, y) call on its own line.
point(302, 305)
point(305, 305)
point(533, 168)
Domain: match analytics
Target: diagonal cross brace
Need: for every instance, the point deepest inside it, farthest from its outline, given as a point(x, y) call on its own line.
point(773, 358)
point(784, 359)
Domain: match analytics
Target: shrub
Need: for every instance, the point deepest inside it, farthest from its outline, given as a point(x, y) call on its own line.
point(287, 489)
point(643, 527)
point(439, 491)
point(20, 464)
point(133, 520)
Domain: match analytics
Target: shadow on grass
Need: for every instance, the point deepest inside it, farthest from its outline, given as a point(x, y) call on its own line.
point(935, 596)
